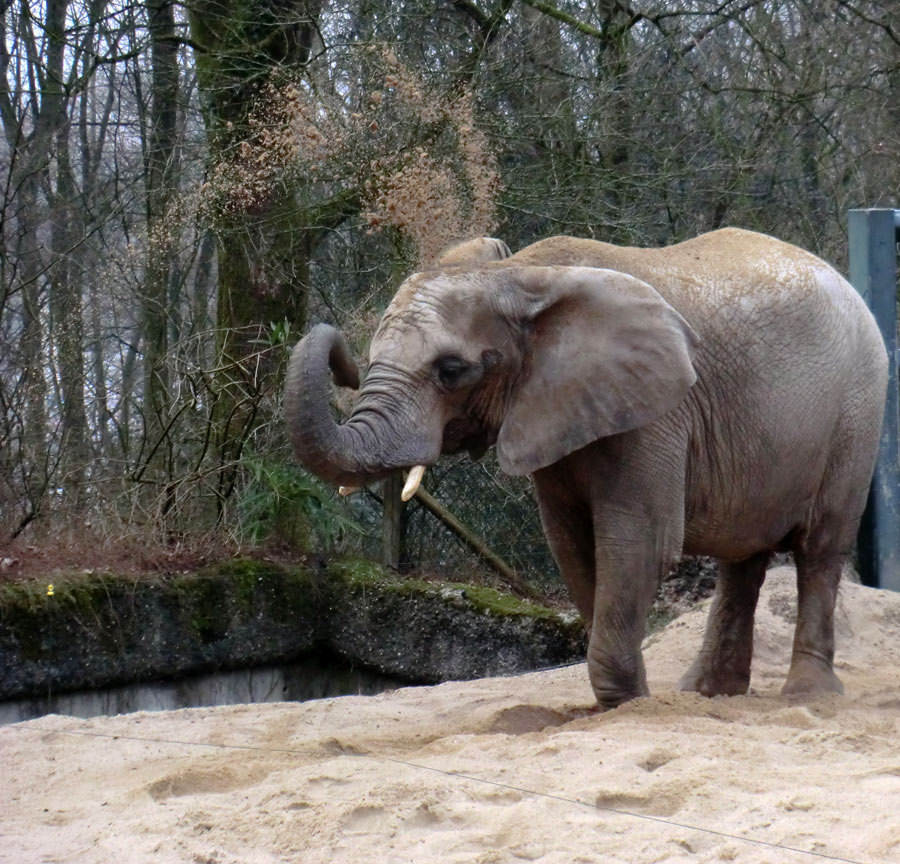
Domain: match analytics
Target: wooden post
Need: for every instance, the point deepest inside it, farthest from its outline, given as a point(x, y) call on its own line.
point(391, 534)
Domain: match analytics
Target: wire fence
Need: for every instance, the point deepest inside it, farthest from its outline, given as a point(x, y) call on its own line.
point(499, 510)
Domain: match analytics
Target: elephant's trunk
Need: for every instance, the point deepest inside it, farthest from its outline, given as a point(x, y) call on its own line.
point(334, 453)
point(388, 428)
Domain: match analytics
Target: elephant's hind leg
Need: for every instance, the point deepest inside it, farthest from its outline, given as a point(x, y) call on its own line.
point(819, 550)
point(723, 665)
point(812, 670)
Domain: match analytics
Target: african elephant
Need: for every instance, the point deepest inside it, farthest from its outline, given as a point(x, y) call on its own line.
point(719, 397)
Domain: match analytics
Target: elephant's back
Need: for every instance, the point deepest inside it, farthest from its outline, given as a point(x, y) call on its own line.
point(744, 271)
point(767, 301)
point(769, 315)
point(730, 284)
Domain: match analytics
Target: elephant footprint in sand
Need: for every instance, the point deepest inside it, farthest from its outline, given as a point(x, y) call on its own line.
point(721, 397)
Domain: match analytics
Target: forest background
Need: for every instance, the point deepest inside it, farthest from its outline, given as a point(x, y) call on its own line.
point(186, 186)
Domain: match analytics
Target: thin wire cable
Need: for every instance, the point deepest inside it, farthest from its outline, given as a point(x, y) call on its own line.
point(455, 774)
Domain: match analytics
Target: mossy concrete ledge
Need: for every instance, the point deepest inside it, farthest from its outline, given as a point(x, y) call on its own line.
point(96, 629)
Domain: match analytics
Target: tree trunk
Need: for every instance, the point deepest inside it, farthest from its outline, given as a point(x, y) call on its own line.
point(161, 172)
point(66, 234)
point(263, 254)
point(34, 384)
point(30, 130)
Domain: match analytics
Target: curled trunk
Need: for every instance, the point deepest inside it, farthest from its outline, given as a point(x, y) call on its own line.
point(332, 452)
point(389, 428)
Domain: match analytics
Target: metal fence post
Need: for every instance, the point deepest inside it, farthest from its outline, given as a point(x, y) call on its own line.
point(873, 237)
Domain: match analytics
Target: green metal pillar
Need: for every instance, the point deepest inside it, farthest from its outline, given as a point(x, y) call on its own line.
point(873, 237)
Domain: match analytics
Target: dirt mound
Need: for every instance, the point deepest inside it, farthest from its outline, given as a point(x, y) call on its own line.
point(496, 770)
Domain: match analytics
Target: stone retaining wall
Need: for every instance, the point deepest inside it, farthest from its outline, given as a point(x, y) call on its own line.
point(97, 630)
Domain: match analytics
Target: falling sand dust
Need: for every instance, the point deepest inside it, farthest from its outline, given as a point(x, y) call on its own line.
point(497, 770)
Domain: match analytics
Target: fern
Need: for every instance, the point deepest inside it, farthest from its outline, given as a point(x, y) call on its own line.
point(282, 502)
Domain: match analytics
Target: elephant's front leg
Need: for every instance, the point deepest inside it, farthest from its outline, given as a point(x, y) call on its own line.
point(638, 535)
point(628, 575)
point(569, 528)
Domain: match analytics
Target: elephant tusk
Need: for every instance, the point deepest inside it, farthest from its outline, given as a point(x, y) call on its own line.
point(413, 479)
point(347, 490)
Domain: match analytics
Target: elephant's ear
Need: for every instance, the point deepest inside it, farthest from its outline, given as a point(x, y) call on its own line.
point(606, 354)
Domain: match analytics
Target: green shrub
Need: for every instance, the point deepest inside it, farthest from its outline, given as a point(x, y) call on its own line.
point(281, 502)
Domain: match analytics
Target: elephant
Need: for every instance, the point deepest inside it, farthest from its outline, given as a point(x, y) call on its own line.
point(721, 397)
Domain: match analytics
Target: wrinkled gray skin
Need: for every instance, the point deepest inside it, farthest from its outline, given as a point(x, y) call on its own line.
point(732, 409)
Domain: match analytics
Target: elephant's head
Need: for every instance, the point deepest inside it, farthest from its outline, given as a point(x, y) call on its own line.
point(539, 360)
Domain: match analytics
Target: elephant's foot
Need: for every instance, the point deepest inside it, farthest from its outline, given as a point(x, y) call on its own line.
point(709, 679)
point(611, 697)
point(811, 676)
point(617, 680)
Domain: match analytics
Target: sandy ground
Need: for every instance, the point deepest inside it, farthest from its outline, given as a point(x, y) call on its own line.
point(498, 770)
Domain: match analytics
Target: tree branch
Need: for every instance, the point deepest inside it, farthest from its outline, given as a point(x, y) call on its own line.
point(566, 18)
point(885, 25)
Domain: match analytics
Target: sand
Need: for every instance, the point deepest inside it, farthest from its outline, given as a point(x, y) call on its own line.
point(497, 770)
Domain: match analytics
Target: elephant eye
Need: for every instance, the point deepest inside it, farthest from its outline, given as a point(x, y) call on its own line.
point(451, 370)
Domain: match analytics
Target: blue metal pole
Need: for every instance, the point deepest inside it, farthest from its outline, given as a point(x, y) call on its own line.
point(873, 237)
